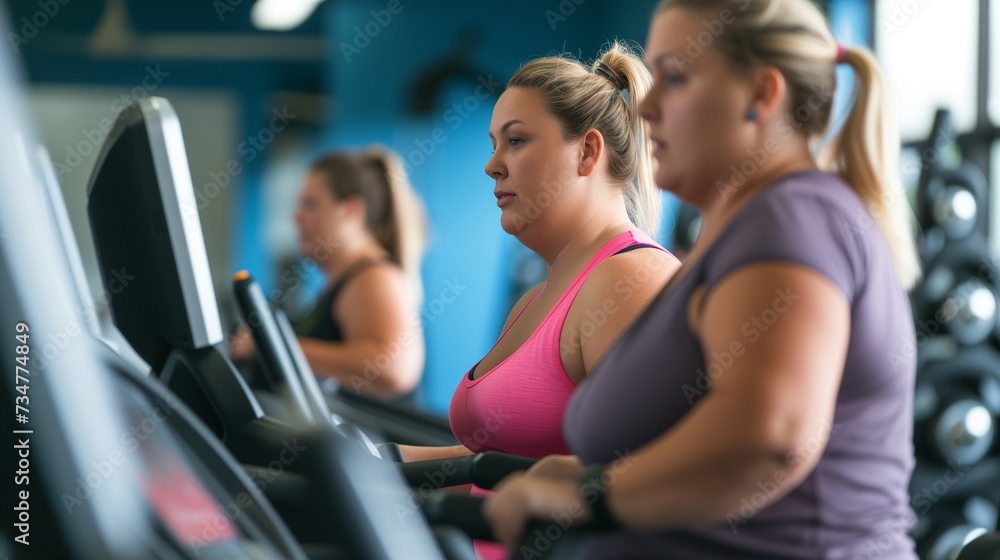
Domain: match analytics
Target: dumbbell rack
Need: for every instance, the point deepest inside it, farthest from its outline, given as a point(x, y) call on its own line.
point(955, 490)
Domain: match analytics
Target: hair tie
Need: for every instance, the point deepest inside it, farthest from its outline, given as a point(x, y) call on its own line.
point(608, 72)
point(841, 54)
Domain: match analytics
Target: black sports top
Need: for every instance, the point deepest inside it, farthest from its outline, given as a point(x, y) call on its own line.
point(320, 322)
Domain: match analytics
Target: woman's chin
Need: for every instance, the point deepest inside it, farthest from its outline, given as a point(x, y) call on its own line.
point(511, 225)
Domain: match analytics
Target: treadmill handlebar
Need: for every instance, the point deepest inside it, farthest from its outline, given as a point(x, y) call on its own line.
point(258, 316)
point(484, 470)
point(460, 510)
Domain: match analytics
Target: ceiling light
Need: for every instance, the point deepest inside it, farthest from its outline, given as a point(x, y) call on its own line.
point(281, 15)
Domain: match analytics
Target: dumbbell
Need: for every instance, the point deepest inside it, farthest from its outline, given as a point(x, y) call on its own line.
point(956, 405)
point(986, 547)
point(959, 294)
point(949, 528)
point(949, 542)
point(959, 431)
point(990, 270)
point(950, 203)
point(953, 201)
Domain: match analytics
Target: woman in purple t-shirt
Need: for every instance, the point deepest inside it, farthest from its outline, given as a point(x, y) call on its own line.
point(762, 406)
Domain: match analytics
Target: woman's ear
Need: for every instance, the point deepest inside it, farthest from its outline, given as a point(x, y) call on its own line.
point(354, 208)
point(591, 149)
point(769, 92)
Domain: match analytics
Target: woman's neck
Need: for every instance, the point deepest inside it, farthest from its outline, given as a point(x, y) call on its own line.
point(567, 251)
point(723, 207)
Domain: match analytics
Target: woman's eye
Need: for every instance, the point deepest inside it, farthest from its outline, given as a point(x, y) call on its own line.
point(514, 142)
point(674, 79)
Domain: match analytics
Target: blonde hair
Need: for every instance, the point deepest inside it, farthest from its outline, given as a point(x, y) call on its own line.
point(794, 37)
point(604, 96)
point(394, 213)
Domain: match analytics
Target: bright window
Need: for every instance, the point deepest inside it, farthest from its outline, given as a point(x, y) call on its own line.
point(994, 101)
point(928, 52)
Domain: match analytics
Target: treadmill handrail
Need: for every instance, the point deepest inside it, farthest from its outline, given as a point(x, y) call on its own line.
point(258, 316)
point(484, 470)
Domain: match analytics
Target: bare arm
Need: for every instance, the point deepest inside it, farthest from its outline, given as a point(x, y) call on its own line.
point(764, 423)
point(383, 348)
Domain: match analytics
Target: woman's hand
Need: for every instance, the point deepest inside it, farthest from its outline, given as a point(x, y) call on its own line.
point(241, 345)
point(558, 466)
point(521, 498)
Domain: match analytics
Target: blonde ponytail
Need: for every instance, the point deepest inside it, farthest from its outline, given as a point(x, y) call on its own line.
point(865, 153)
point(642, 197)
point(403, 230)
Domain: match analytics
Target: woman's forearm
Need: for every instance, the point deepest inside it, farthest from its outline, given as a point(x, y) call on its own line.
point(367, 366)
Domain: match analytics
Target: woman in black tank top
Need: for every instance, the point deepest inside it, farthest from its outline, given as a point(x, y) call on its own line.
point(320, 323)
point(361, 223)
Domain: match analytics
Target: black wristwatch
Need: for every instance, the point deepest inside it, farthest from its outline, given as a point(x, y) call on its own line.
point(595, 492)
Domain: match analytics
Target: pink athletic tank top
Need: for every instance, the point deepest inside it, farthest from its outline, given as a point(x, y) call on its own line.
point(517, 407)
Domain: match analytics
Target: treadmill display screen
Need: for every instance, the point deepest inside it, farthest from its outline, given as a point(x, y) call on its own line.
point(185, 506)
point(189, 512)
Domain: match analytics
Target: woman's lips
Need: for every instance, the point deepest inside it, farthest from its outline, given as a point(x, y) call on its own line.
point(503, 198)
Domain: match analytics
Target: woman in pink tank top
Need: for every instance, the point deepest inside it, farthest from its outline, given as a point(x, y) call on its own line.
point(573, 184)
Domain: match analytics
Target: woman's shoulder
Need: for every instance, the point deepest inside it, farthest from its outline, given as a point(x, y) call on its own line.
point(642, 259)
point(802, 203)
point(811, 218)
point(643, 270)
point(808, 189)
point(372, 268)
point(371, 279)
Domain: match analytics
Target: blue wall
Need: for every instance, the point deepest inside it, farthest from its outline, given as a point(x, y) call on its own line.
point(467, 272)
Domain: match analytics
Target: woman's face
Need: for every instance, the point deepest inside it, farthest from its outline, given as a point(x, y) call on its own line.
point(696, 108)
point(317, 216)
point(534, 168)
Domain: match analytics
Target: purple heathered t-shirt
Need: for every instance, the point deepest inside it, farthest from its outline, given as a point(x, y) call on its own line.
point(854, 505)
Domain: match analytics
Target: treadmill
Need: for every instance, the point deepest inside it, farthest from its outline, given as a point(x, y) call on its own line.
point(85, 490)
